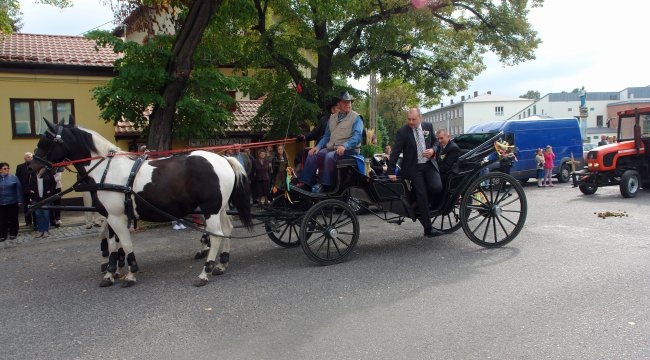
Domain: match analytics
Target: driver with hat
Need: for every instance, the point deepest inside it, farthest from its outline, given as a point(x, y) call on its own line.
point(342, 137)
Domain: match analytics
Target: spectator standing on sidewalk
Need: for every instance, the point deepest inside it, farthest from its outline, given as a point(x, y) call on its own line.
point(23, 172)
point(92, 218)
point(11, 197)
point(539, 159)
point(549, 158)
point(41, 186)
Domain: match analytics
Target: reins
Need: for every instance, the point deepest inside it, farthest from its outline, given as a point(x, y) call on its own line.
point(220, 148)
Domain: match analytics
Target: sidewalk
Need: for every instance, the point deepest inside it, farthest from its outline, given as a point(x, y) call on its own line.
point(73, 224)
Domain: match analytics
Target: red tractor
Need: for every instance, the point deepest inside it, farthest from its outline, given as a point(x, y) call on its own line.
point(624, 163)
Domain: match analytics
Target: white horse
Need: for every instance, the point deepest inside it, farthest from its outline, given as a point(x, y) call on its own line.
point(177, 185)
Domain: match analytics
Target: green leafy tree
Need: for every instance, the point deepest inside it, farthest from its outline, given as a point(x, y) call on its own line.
point(437, 49)
point(531, 94)
point(394, 98)
point(201, 109)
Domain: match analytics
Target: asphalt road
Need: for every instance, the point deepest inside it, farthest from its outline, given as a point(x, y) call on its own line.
point(572, 285)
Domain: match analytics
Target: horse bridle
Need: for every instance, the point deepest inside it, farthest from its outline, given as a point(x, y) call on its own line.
point(58, 141)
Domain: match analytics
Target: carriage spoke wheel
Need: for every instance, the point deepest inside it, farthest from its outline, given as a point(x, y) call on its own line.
point(284, 229)
point(329, 232)
point(493, 210)
point(450, 222)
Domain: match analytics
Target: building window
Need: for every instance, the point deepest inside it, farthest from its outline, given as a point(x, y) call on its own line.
point(529, 112)
point(498, 110)
point(570, 109)
point(534, 109)
point(599, 120)
point(27, 115)
point(591, 109)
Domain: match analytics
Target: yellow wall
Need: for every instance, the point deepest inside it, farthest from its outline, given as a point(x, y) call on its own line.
point(31, 86)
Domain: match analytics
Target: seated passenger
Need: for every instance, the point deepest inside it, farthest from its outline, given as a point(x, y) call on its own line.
point(342, 137)
point(447, 154)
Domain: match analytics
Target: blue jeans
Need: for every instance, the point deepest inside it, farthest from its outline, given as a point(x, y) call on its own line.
point(42, 220)
point(325, 163)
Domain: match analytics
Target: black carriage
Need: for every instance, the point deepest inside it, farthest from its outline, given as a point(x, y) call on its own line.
point(490, 207)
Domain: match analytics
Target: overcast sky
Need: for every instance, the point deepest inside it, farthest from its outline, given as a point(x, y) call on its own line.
point(584, 43)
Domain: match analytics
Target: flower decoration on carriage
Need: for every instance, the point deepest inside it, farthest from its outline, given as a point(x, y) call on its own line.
point(503, 148)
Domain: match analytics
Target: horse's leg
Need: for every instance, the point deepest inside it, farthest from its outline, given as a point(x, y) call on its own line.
point(119, 226)
point(224, 257)
point(205, 247)
point(213, 225)
point(111, 265)
point(103, 247)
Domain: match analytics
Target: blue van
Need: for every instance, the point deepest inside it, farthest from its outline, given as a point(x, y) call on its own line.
point(530, 134)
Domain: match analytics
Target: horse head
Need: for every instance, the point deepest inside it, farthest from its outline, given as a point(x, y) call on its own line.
point(60, 142)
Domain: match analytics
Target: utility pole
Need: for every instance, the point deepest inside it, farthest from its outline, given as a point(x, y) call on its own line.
point(372, 111)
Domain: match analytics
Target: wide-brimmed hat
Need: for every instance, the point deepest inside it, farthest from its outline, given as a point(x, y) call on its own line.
point(346, 96)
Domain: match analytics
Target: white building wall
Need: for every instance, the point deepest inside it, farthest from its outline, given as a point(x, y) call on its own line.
point(482, 112)
point(563, 109)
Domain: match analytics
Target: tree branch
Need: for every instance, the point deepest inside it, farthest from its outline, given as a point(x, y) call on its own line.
point(476, 13)
point(267, 40)
point(362, 22)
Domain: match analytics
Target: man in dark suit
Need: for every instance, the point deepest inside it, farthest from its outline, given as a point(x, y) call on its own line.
point(447, 154)
point(417, 142)
point(23, 172)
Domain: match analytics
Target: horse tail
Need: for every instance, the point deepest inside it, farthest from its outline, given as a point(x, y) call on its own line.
point(240, 193)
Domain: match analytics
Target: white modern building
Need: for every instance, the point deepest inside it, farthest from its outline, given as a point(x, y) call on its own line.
point(470, 111)
point(598, 121)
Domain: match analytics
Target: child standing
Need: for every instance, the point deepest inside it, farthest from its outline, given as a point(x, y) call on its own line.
point(549, 158)
point(539, 159)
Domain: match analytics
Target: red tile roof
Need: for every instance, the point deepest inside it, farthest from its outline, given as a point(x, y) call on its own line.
point(54, 50)
point(246, 111)
point(127, 128)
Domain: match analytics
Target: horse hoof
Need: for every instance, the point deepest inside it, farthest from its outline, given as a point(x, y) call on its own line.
point(217, 271)
point(200, 255)
point(200, 282)
point(105, 283)
point(128, 283)
point(103, 267)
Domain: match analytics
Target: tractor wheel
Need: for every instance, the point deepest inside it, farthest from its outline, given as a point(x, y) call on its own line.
point(588, 189)
point(630, 182)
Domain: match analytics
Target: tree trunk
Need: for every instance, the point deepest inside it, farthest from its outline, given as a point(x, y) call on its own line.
point(324, 81)
point(179, 69)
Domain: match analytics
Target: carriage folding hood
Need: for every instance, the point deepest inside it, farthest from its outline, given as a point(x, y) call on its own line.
point(563, 134)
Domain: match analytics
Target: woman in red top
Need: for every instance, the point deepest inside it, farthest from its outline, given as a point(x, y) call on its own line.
point(549, 158)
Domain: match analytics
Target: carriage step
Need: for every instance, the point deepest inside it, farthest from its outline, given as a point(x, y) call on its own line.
point(395, 221)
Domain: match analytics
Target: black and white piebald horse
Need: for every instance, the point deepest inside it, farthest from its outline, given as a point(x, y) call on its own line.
point(178, 185)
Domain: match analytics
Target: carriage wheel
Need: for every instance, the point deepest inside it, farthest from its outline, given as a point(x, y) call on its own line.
point(284, 229)
point(450, 222)
point(493, 210)
point(334, 230)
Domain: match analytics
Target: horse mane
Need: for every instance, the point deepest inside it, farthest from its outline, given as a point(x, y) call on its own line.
point(96, 143)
